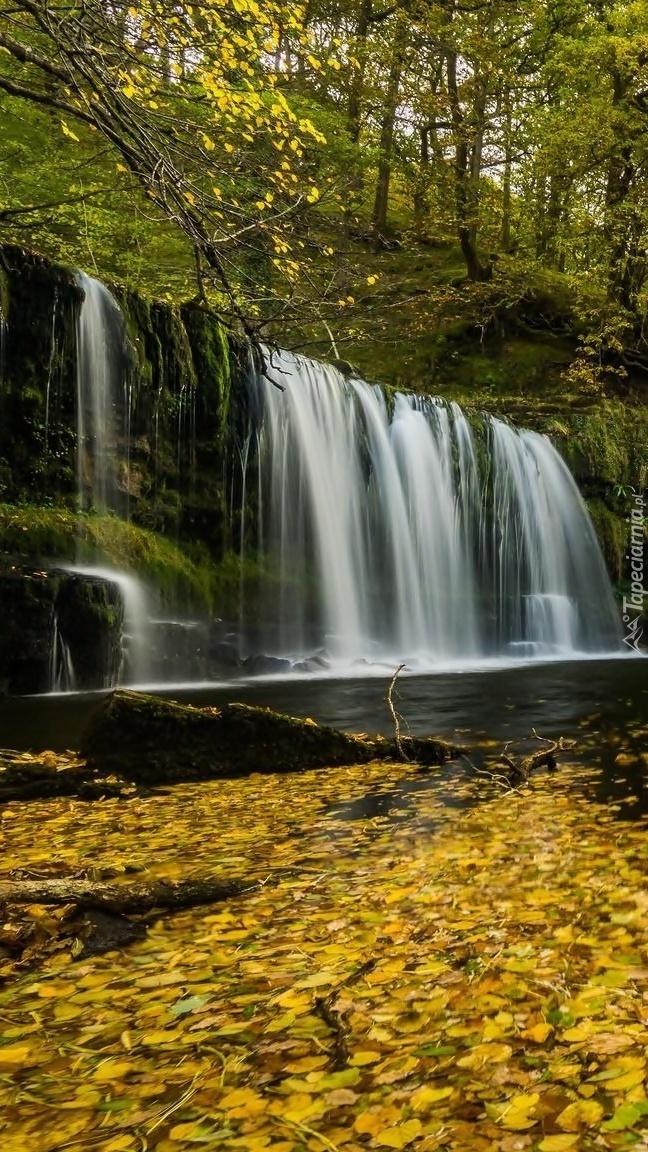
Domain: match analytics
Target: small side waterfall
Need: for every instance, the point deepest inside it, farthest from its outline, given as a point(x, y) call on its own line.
point(100, 340)
point(62, 676)
point(3, 348)
point(103, 392)
point(393, 531)
point(137, 621)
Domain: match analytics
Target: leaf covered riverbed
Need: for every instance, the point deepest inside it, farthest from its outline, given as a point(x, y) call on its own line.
point(465, 978)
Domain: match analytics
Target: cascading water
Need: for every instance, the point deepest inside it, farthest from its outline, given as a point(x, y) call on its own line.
point(102, 388)
point(402, 534)
point(62, 676)
point(100, 340)
point(137, 621)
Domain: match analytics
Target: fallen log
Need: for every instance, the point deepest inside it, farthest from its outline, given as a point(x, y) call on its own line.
point(40, 778)
point(118, 899)
point(152, 741)
point(93, 916)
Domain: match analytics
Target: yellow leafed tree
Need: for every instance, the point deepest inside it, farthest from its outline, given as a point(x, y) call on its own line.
point(190, 98)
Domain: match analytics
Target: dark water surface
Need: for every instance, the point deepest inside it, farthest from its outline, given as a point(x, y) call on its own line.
point(603, 704)
point(606, 696)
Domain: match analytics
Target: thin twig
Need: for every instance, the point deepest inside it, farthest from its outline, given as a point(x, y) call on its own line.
point(336, 1020)
point(394, 714)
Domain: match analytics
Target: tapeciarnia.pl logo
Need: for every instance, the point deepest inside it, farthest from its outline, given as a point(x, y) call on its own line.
point(633, 604)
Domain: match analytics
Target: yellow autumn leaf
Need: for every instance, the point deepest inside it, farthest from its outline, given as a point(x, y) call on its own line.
point(245, 1098)
point(86, 1098)
point(307, 1064)
point(68, 132)
point(162, 1036)
point(483, 1054)
point(558, 1143)
point(360, 1059)
point(317, 980)
point(280, 1023)
point(112, 1071)
point(400, 1135)
point(301, 1108)
point(120, 1143)
point(368, 1123)
point(494, 1031)
point(579, 1115)
point(426, 1097)
point(627, 1080)
point(538, 1033)
point(409, 1022)
point(15, 1055)
point(181, 1132)
point(579, 1033)
point(515, 1114)
point(67, 1011)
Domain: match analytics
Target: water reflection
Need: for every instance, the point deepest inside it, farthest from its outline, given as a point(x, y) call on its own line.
point(602, 704)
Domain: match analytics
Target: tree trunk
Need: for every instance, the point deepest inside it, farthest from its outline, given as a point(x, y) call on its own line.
point(381, 198)
point(466, 164)
point(505, 238)
point(354, 107)
point(620, 226)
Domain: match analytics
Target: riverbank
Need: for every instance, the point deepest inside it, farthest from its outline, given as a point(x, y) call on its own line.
point(445, 977)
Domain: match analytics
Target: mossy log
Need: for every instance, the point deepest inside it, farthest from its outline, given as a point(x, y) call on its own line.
point(152, 741)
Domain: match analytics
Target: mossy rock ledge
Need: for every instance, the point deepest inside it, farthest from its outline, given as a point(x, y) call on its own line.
point(152, 741)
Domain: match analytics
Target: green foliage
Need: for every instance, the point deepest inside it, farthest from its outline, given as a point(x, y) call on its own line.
point(612, 531)
point(609, 442)
point(99, 217)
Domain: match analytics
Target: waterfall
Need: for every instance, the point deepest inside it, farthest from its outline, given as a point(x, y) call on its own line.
point(137, 621)
point(100, 342)
point(3, 350)
point(62, 677)
point(389, 529)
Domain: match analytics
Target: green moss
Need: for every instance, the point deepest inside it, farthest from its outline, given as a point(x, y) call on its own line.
point(211, 362)
point(184, 578)
point(58, 534)
point(612, 530)
point(607, 444)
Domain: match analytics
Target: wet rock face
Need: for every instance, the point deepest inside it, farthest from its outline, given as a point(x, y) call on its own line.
point(59, 630)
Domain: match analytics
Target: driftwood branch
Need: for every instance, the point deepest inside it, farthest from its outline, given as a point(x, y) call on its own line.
point(520, 770)
point(396, 718)
point(338, 1025)
point(336, 1019)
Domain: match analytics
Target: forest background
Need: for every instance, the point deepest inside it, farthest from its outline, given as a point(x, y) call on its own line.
point(357, 178)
